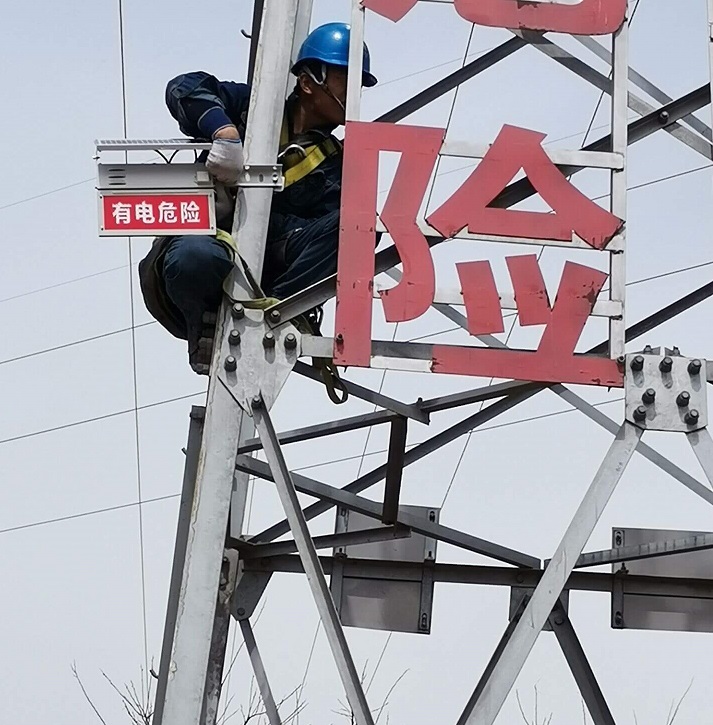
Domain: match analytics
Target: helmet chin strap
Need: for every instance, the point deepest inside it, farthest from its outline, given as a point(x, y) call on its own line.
point(323, 85)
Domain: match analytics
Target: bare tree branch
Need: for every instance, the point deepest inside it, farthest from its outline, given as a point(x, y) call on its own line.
point(680, 702)
point(84, 692)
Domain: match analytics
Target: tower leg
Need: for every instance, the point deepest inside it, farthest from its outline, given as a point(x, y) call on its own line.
point(553, 581)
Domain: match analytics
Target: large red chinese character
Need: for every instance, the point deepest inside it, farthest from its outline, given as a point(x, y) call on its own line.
point(355, 279)
point(573, 212)
point(517, 148)
point(554, 359)
point(588, 17)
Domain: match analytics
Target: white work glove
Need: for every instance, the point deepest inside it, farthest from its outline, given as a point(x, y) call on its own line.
point(225, 160)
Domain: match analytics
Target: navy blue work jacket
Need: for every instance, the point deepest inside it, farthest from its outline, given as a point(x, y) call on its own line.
point(202, 104)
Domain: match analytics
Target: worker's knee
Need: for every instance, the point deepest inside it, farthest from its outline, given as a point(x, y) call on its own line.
point(196, 257)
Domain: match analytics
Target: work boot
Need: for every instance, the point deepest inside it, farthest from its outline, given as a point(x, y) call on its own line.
point(200, 352)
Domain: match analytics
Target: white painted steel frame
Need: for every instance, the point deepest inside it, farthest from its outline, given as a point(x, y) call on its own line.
point(313, 570)
point(553, 581)
point(225, 425)
point(356, 61)
point(618, 202)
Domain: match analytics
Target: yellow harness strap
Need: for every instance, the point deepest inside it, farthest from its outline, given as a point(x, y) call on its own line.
point(227, 240)
point(297, 165)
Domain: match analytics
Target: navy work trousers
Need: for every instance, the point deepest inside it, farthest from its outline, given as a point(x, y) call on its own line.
point(195, 267)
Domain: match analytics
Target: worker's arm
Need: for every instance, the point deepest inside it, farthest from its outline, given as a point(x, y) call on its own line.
point(206, 107)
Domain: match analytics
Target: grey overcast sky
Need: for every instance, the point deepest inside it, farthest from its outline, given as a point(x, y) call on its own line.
point(71, 590)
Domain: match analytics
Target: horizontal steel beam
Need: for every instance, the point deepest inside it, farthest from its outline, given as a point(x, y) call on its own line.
point(409, 410)
point(356, 422)
point(415, 454)
point(249, 550)
point(700, 542)
point(341, 497)
point(499, 576)
point(516, 192)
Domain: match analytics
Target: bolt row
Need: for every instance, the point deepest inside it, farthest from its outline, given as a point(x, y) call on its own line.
point(666, 365)
point(237, 311)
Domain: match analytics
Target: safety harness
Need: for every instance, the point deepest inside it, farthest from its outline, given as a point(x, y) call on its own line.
point(301, 156)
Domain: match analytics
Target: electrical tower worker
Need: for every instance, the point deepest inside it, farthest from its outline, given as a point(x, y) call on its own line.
point(182, 276)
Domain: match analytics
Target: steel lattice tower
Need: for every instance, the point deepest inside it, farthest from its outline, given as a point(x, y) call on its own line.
point(384, 575)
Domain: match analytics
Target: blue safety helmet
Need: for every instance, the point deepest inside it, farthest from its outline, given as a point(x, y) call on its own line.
point(330, 44)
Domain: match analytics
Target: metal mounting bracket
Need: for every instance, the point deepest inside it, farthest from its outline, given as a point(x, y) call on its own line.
point(262, 175)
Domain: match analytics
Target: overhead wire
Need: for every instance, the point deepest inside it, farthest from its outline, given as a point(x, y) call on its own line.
point(93, 512)
point(512, 326)
point(137, 435)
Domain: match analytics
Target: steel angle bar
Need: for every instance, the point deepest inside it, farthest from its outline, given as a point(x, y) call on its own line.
point(315, 576)
point(195, 432)
point(702, 445)
point(478, 395)
point(513, 194)
point(644, 84)
point(320, 430)
point(587, 408)
point(638, 105)
point(433, 405)
point(201, 571)
point(496, 576)
point(507, 634)
point(258, 8)
point(225, 424)
point(451, 81)
point(410, 410)
point(219, 641)
point(394, 470)
point(645, 450)
point(414, 454)
point(619, 186)
point(263, 683)
point(588, 159)
point(302, 24)
point(700, 542)
point(349, 538)
point(663, 315)
point(579, 666)
point(555, 577)
point(341, 497)
point(638, 130)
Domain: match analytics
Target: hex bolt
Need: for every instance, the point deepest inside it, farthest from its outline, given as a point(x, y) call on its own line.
point(649, 396)
point(683, 399)
point(237, 311)
point(666, 365)
point(664, 117)
point(648, 350)
point(290, 341)
point(618, 619)
point(234, 337)
point(275, 316)
point(241, 611)
point(692, 417)
point(231, 364)
point(640, 414)
point(268, 341)
point(256, 402)
point(637, 363)
point(694, 367)
point(618, 538)
point(621, 359)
